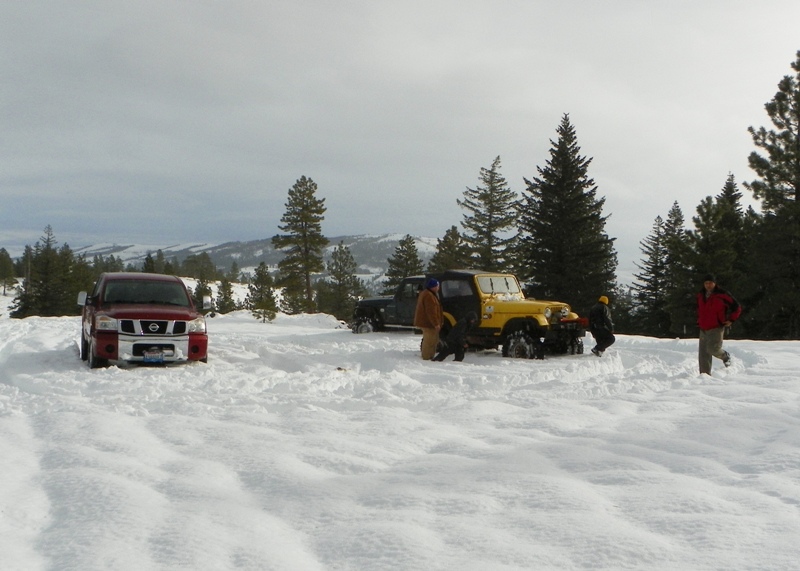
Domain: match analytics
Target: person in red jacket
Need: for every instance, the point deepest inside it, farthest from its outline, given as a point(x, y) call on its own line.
point(428, 317)
point(716, 311)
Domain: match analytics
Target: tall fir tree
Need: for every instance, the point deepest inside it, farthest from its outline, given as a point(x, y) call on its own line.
point(405, 262)
point(337, 295)
point(225, 301)
point(650, 285)
point(564, 250)
point(776, 258)
point(202, 290)
point(491, 212)
point(47, 289)
point(260, 300)
point(302, 242)
point(680, 275)
point(7, 275)
point(451, 253)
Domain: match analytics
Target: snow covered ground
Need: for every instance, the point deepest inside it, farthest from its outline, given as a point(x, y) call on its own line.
point(301, 446)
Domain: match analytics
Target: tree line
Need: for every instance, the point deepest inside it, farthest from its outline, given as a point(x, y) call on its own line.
point(551, 235)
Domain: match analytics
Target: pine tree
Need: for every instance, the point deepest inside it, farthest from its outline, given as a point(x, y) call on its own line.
point(718, 242)
point(233, 274)
point(302, 242)
point(159, 263)
point(47, 290)
point(201, 290)
point(405, 262)
point(565, 252)
point(776, 259)
point(260, 295)
point(225, 302)
point(491, 211)
point(199, 266)
point(451, 253)
point(680, 275)
point(149, 265)
point(778, 185)
point(338, 294)
point(650, 286)
point(7, 275)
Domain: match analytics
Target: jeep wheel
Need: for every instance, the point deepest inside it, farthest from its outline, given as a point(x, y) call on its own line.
point(576, 347)
point(363, 326)
point(520, 345)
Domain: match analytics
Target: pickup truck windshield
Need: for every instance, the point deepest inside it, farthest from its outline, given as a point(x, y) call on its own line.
point(146, 292)
point(498, 284)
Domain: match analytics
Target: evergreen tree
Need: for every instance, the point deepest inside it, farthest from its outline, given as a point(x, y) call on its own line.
point(718, 242)
point(451, 253)
point(680, 275)
point(491, 211)
point(623, 308)
point(650, 286)
point(159, 263)
point(405, 262)
point(199, 266)
point(172, 267)
point(233, 274)
point(778, 185)
point(149, 265)
point(225, 302)
point(776, 259)
point(260, 295)
point(202, 289)
point(47, 290)
point(302, 242)
point(7, 274)
point(565, 252)
point(338, 294)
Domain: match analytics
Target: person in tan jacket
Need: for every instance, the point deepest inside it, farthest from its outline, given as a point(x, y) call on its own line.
point(428, 317)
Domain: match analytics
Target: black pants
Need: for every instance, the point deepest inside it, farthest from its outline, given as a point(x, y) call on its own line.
point(446, 351)
point(603, 339)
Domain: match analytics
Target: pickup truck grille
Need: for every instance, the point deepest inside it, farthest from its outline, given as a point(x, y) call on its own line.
point(152, 327)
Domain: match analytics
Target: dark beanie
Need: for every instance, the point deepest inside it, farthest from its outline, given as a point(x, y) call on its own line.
point(710, 278)
point(432, 282)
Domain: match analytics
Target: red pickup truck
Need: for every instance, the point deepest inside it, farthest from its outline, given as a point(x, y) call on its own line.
point(141, 318)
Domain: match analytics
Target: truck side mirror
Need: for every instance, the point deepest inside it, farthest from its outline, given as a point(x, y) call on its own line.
point(206, 302)
point(82, 298)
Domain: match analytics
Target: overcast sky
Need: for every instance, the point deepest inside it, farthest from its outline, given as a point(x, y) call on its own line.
point(181, 121)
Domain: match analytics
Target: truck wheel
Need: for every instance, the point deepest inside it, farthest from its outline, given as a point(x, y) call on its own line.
point(84, 347)
point(520, 345)
point(363, 326)
point(94, 361)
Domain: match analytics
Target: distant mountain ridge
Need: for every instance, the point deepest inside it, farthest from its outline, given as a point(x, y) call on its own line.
point(370, 252)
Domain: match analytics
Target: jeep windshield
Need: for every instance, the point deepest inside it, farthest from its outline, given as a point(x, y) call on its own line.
point(499, 284)
point(145, 292)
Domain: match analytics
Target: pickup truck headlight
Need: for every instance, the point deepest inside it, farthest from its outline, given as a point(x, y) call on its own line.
point(105, 323)
point(548, 313)
point(197, 325)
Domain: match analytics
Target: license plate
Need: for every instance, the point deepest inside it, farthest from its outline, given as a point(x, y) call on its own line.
point(153, 357)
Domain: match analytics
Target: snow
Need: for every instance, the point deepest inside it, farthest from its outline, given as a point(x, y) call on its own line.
point(301, 446)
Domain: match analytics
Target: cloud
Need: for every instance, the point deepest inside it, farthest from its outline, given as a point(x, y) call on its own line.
point(191, 120)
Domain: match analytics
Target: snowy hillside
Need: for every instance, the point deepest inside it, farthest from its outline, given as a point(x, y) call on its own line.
point(301, 446)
